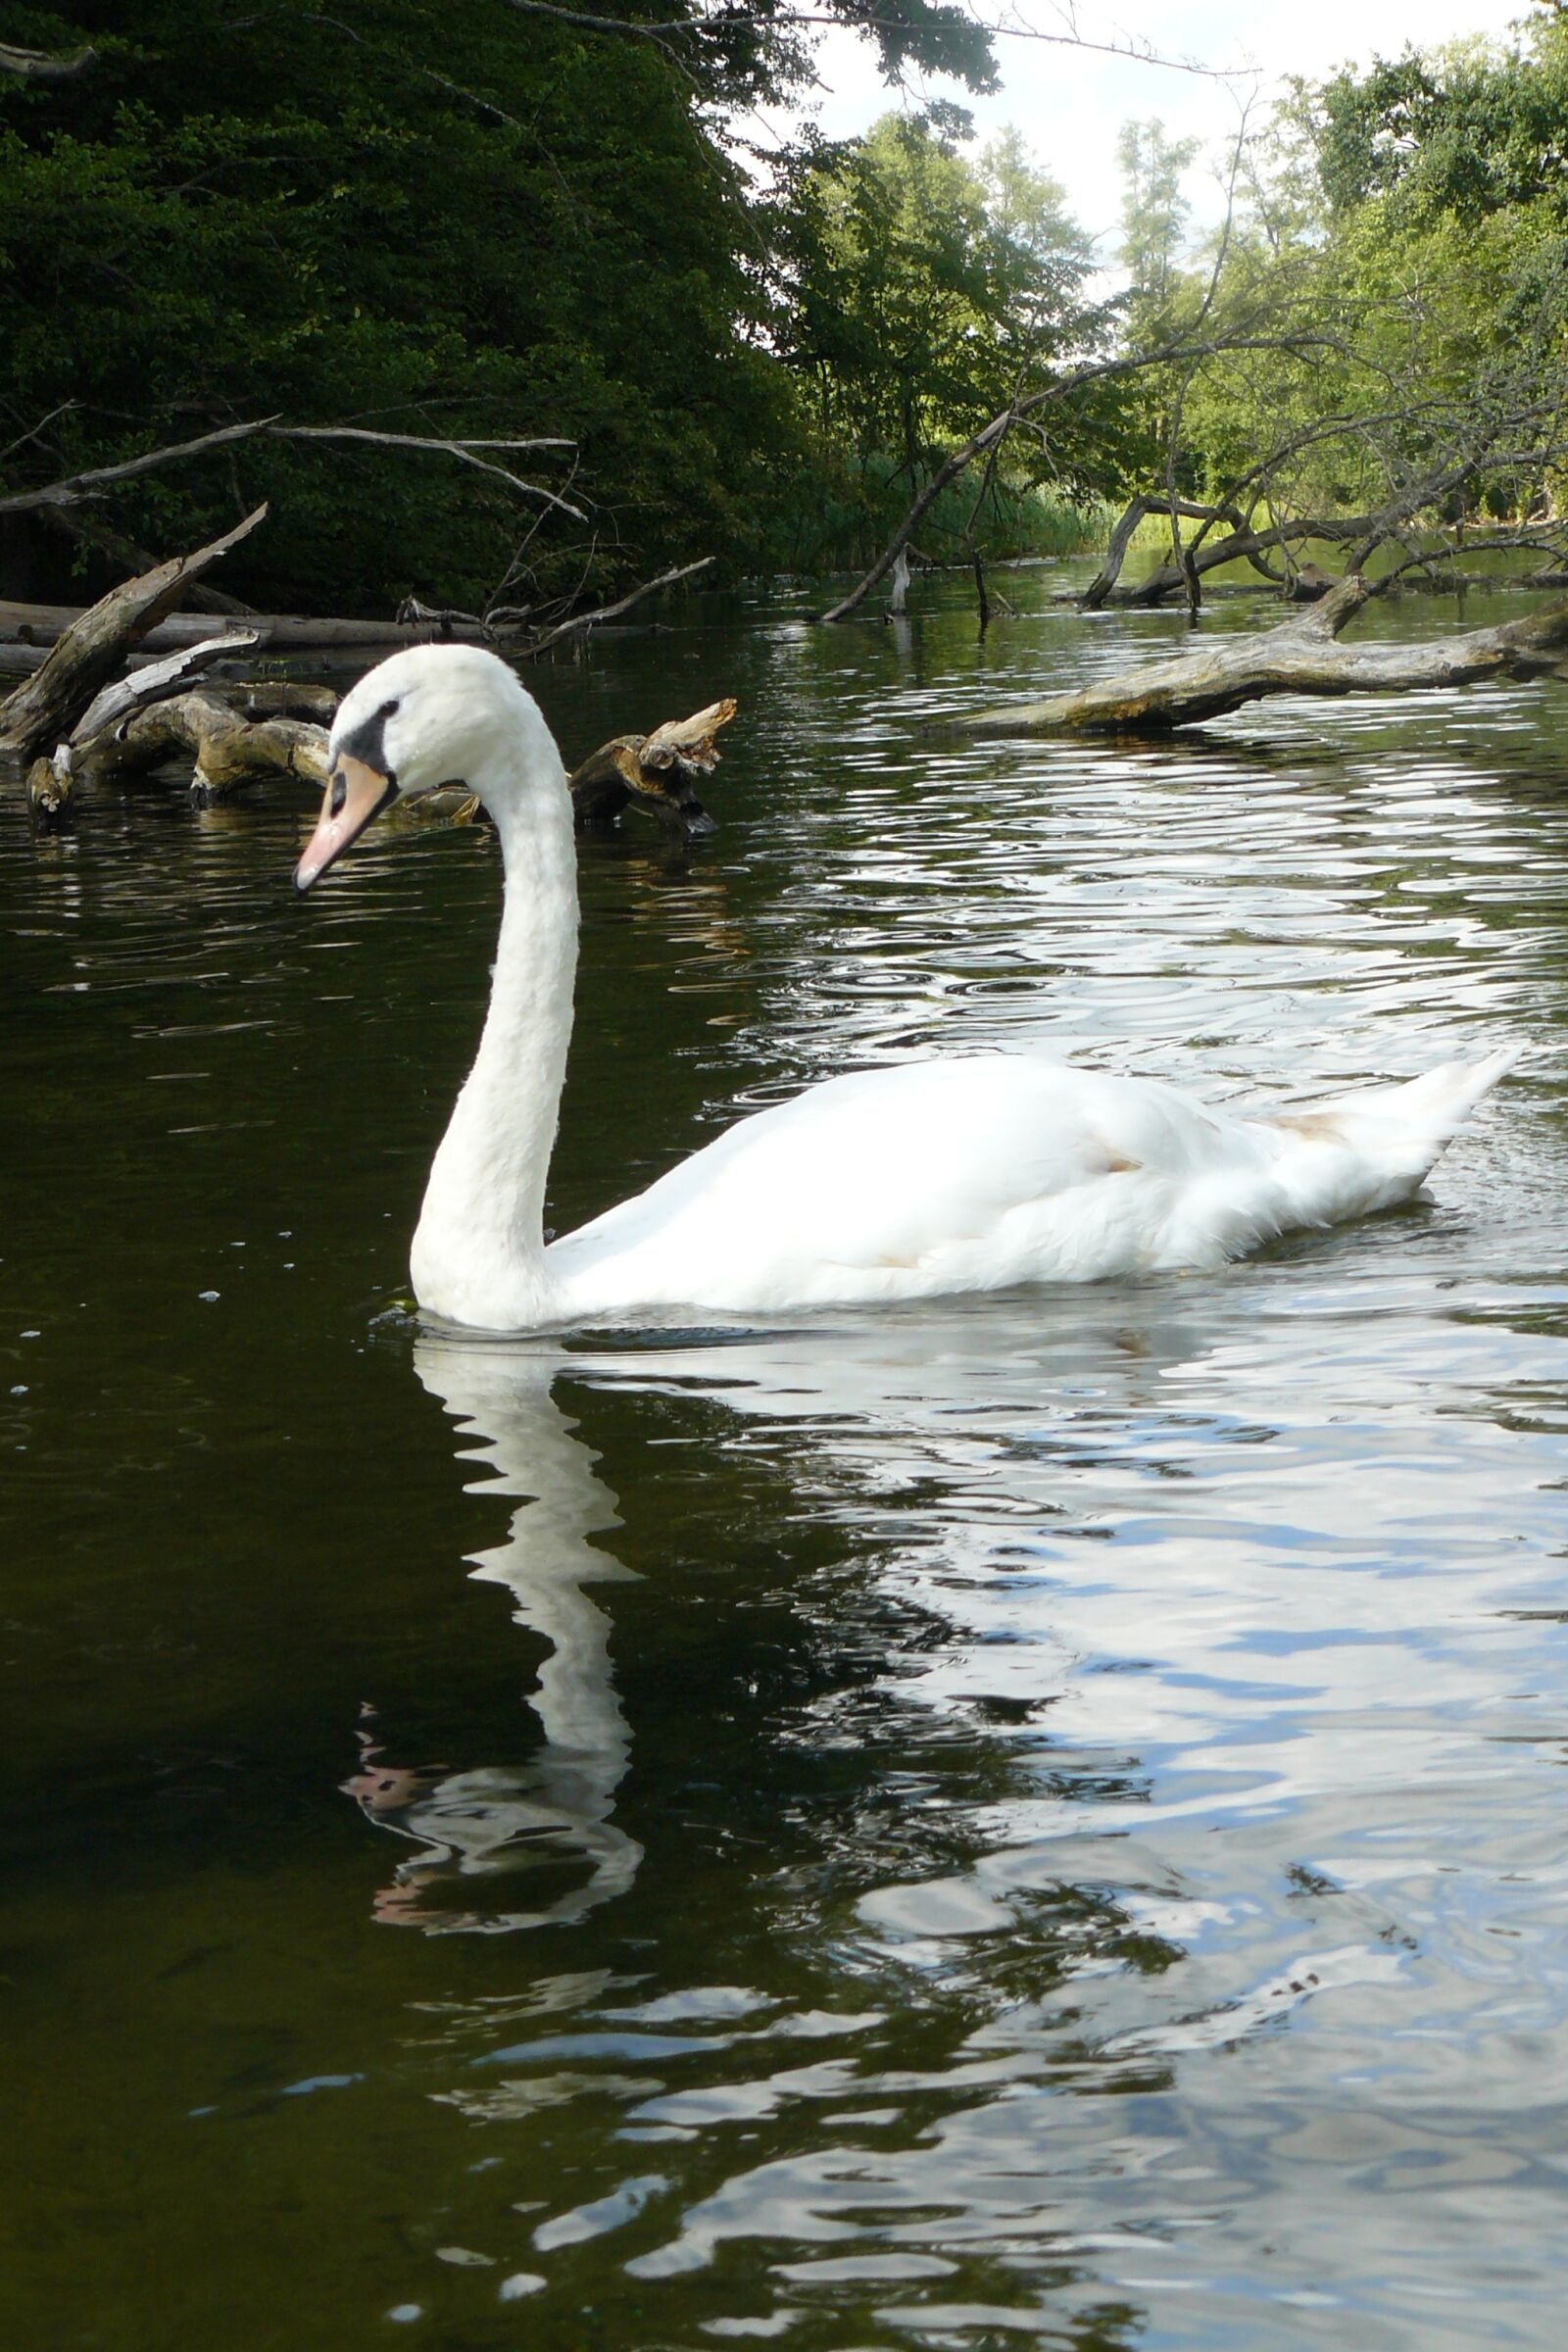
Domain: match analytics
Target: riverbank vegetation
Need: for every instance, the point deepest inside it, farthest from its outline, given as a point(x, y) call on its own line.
point(503, 308)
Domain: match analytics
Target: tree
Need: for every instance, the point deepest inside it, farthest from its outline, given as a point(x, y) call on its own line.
point(1155, 215)
point(397, 216)
point(1387, 308)
point(917, 290)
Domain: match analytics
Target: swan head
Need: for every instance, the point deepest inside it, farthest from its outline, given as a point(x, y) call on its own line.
point(427, 716)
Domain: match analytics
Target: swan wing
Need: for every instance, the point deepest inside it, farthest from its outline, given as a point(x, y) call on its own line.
point(949, 1174)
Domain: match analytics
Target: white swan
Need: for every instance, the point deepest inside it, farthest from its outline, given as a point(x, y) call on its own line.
point(948, 1175)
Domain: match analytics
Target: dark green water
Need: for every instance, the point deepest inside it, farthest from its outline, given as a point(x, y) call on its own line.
point(1033, 1822)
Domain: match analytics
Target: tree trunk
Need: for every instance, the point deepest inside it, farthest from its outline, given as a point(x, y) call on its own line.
point(1301, 656)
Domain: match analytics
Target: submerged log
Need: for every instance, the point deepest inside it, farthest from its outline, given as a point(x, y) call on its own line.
point(1301, 656)
point(255, 733)
point(653, 773)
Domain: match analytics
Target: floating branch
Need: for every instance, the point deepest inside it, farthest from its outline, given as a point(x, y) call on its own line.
point(241, 734)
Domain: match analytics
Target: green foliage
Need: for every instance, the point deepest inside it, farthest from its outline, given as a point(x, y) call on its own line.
point(423, 220)
point(492, 222)
point(416, 220)
point(1390, 299)
point(918, 292)
point(835, 509)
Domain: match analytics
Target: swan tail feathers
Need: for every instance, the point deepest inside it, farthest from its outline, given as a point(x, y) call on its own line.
point(1405, 1129)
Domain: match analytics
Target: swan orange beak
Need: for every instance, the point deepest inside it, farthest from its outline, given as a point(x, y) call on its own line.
point(356, 793)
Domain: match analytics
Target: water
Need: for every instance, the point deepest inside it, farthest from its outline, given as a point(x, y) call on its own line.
point(1019, 1823)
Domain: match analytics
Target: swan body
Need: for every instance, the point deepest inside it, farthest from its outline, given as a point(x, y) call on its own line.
point(969, 1173)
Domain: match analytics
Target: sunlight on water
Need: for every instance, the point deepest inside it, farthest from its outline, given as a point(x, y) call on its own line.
point(1024, 1821)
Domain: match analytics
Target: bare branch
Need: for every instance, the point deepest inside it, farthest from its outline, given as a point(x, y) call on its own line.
point(34, 430)
point(463, 450)
point(35, 64)
point(728, 20)
point(79, 486)
point(588, 620)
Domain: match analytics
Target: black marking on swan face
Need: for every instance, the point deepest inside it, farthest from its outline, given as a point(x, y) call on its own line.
point(367, 742)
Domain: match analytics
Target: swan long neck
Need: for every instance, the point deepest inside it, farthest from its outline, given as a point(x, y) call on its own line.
point(478, 1252)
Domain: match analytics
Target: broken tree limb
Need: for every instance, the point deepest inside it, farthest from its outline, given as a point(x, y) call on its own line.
point(246, 733)
point(154, 681)
point(653, 773)
point(1299, 656)
point(46, 707)
point(72, 489)
point(143, 720)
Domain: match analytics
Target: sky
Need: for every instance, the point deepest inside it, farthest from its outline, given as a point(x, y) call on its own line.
point(1069, 104)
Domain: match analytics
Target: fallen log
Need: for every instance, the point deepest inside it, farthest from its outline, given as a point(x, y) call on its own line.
point(46, 707)
point(1299, 656)
point(653, 773)
point(280, 633)
point(228, 750)
point(154, 681)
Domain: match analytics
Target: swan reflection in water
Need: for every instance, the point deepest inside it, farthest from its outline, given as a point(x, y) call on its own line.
point(910, 1390)
point(494, 1825)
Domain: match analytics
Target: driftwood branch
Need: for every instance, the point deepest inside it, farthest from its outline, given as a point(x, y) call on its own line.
point(1299, 656)
point(653, 773)
point(228, 750)
point(236, 735)
point(157, 679)
point(45, 708)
